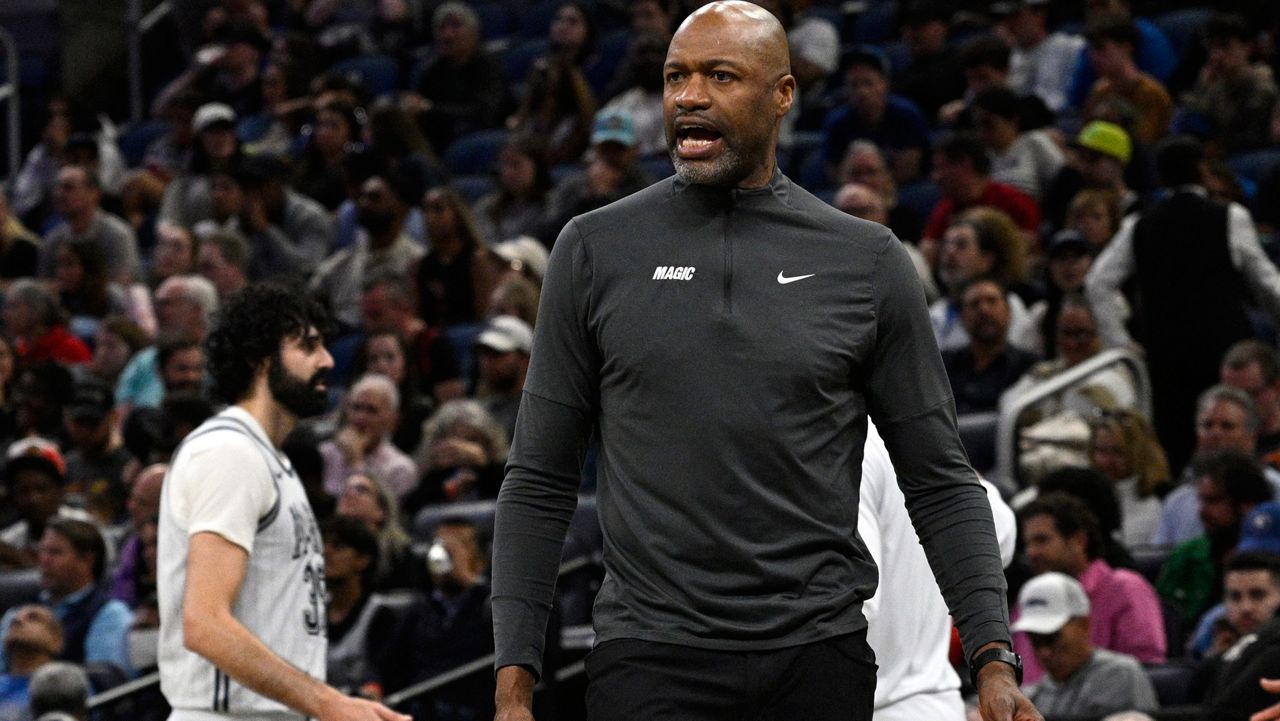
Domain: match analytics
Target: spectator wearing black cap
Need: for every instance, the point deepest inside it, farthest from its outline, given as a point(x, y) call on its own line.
point(1113, 46)
point(1068, 259)
point(1041, 62)
point(1232, 97)
point(73, 558)
point(932, 77)
point(381, 247)
point(1197, 262)
point(35, 476)
point(97, 459)
point(873, 113)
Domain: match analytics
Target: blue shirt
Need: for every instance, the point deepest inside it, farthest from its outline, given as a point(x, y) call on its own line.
point(140, 384)
point(14, 700)
point(1155, 57)
point(106, 641)
point(901, 127)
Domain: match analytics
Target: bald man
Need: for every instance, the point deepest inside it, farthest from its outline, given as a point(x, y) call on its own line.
point(728, 334)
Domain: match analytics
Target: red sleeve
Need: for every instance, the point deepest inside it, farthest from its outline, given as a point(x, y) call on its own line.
point(1023, 209)
point(938, 218)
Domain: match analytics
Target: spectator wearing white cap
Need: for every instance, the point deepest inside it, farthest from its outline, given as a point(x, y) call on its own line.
point(502, 349)
point(1081, 681)
point(186, 200)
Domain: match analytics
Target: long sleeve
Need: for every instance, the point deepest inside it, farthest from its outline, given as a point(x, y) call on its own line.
point(105, 641)
point(538, 497)
point(1251, 260)
point(1102, 286)
point(909, 397)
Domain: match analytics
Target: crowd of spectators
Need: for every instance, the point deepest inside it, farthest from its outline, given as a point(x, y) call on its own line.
point(1067, 177)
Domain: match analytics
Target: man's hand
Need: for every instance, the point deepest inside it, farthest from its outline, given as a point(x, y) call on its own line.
point(345, 708)
point(1270, 713)
point(1000, 699)
point(514, 696)
point(450, 452)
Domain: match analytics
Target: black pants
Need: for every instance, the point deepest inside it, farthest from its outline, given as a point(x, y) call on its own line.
point(633, 680)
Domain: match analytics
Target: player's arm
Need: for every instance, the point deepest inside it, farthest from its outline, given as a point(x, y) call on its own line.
point(215, 572)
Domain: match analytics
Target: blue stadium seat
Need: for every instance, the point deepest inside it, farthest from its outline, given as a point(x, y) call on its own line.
point(474, 153)
point(517, 60)
point(1182, 27)
point(812, 173)
point(19, 587)
point(473, 187)
point(1173, 682)
point(495, 19)
point(136, 137)
point(876, 23)
point(379, 73)
point(658, 166)
point(1255, 164)
point(920, 196)
point(612, 48)
point(479, 512)
point(978, 436)
point(536, 21)
point(462, 338)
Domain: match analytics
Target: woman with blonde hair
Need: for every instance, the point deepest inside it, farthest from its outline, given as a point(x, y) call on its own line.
point(1124, 447)
point(368, 500)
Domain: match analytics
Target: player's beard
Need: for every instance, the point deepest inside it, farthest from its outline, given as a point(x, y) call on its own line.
point(300, 397)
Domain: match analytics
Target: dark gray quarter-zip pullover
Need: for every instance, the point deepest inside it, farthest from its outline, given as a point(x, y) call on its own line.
point(730, 345)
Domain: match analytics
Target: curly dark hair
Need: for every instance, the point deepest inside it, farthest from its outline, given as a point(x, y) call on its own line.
point(249, 329)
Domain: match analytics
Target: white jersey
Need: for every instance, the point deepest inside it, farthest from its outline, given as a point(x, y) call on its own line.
point(908, 625)
point(228, 479)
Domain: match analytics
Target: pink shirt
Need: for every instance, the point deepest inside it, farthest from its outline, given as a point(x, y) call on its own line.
point(1125, 617)
point(388, 463)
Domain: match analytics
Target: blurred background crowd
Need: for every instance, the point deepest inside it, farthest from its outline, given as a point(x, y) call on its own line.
point(1090, 190)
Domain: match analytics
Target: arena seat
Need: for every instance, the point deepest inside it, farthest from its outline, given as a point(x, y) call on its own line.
point(536, 20)
point(1182, 27)
point(474, 153)
point(136, 137)
point(479, 512)
point(875, 24)
point(473, 187)
point(495, 19)
point(1172, 682)
point(379, 73)
point(19, 587)
point(518, 58)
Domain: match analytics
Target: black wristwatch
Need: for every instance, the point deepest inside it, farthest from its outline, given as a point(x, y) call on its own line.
point(1003, 655)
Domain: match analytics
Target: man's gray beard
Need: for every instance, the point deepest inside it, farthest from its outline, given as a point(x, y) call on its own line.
point(725, 170)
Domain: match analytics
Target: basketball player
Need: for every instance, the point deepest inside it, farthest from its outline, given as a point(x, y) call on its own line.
point(241, 564)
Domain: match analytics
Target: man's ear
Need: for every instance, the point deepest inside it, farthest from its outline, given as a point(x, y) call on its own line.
point(784, 92)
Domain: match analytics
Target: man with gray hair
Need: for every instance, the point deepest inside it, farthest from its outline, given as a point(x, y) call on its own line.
point(363, 441)
point(34, 319)
point(1254, 367)
point(1226, 420)
point(185, 305)
point(463, 88)
point(59, 692)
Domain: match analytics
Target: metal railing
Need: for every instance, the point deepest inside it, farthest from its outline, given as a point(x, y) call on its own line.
point(137, 25)
point(11, 98)
point(1007, 449)
point(422, 688)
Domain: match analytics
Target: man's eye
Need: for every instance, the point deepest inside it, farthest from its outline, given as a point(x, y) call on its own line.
point(721, 76)
point(674, 77)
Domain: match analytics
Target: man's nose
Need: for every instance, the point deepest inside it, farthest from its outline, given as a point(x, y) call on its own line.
point(693, 93)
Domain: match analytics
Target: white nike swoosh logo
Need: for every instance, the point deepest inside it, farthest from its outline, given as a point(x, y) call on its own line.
point(784, 279)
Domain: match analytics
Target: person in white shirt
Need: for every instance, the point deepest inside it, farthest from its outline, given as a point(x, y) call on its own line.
point(1041, 63)
point(240, 567)
point(908, 625)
